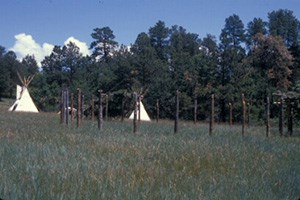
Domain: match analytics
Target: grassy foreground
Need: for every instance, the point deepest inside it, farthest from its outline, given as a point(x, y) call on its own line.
point(41, 159)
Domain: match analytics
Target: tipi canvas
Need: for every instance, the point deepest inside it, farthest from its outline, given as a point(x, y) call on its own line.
point(23, 101)
point(144, 116)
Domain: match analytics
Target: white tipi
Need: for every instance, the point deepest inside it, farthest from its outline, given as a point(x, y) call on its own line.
point(144, 116)
point(23, 101)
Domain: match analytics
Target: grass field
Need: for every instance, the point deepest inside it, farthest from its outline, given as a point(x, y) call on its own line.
point(41, 159)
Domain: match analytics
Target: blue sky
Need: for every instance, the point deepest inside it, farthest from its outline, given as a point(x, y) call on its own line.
point(40, 24)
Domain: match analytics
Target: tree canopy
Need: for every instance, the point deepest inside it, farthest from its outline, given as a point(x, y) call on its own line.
point(255, 60)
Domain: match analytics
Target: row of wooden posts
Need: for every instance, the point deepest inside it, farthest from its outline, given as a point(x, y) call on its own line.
point(65, 109)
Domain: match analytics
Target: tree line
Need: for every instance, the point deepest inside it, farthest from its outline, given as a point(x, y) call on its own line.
point(257, 60)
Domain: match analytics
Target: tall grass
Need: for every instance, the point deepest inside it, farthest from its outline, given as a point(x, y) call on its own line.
point(41, 159)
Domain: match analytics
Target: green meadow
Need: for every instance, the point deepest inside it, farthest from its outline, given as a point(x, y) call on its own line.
point(42, 159)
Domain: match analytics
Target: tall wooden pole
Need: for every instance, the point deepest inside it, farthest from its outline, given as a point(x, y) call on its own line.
point(62, 107)
point(93, 108)
point(248, 115)
point(230, 114)
point(67, 106)
point(82, 106)
point(290, 117)
point(244, 114)
point(139, 108)
point(135, 112)
point(176, 112)
point(100, 111)
point(78, 108)
point(212, 114)
point(195, 110)
point(268, 117)
point(106, 107)
point(281, 117)
point(72, 106)
point(157, 110)
point(123, 104)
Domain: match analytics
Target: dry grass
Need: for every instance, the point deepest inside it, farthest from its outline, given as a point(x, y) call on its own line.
point(41, 159)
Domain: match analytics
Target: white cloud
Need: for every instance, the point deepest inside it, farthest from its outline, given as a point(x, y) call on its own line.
point(84, 49)
point(26, 45)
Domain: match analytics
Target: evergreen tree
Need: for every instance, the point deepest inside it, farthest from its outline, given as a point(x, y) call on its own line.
point(29, 65)
point(257, 25)
point(284, 24)
point(104, 44)
point(232, 53)
point(159, 35)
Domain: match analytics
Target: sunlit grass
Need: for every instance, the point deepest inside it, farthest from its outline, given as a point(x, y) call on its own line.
point(41, 159)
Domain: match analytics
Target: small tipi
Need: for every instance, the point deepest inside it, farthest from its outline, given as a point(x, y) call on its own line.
point(144, 116)
point(23, 101)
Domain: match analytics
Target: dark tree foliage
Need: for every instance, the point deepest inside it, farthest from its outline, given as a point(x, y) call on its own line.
point(30, 66)
point(257, 61)
point(104, 44)
point(232, 53)
point(273, 61)
point(284, 24)
point(257, 25)
point(159, 35)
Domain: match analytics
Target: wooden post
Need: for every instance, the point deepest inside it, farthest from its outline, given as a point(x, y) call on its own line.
point(212, 114)
point(106, 107)
point(176, 112)
point(78, 108)
point(135, 112)
point(290, 117)
point(244, 114)
point(230, 114)
point(139, 108)
point(82, 106)
point(281, 117)
point(93, 108)
point(72, 106)
point(268, 117)
point(195, 110)
point(67, 106)
point(157, 110)
point(122, 109)
point(100, 112)
point(248, 115)
point(62, 107)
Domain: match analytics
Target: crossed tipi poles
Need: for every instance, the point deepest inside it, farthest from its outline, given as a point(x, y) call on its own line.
point(24, 102)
